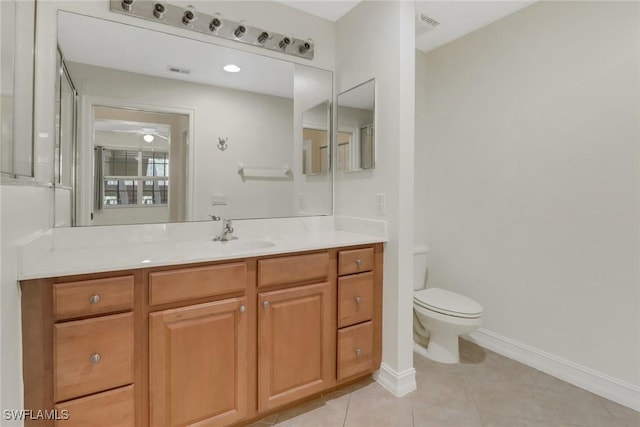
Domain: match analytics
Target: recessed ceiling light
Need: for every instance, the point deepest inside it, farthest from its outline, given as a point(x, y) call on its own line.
point(148, 138)
point(231, 68)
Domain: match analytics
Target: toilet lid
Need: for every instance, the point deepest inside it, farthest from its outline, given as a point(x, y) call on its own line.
point(447, 302)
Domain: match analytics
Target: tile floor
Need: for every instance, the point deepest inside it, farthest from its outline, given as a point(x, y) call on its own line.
point(484, 390)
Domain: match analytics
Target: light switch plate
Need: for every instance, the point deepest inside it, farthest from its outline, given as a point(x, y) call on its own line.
point(380, 204)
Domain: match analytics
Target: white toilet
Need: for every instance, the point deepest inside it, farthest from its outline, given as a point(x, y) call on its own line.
point(439, 316)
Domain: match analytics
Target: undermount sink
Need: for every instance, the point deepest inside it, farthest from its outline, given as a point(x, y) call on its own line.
point(247, 244)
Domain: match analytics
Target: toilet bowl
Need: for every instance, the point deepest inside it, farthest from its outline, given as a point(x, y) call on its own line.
point(440, 316)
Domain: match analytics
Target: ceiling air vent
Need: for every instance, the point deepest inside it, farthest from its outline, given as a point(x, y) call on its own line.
point(424, 23)
point(179, 70)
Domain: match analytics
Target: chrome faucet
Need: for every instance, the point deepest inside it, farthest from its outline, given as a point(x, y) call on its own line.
point(227, 232)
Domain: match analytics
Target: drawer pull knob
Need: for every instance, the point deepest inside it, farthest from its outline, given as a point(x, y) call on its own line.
point(94, 299)
point(95, 358)
point(243, 308)
point(358, 299)
point(265, 304)
point(358, 351)
point(358, 262)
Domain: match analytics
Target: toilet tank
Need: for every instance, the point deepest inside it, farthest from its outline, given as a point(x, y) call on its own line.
point(419, 266)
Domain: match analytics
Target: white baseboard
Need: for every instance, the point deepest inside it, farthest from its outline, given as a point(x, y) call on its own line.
point(397, 383)
point(621, 392)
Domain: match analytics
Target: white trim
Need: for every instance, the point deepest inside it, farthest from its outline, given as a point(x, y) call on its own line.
point(621, 392)
point(397, 383)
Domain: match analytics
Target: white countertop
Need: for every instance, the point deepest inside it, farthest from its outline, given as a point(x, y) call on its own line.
point(64, 252)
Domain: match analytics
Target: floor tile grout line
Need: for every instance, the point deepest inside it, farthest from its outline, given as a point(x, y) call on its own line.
point(346, 412)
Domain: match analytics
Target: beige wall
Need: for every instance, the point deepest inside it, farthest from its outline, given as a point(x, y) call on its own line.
point(528, 179)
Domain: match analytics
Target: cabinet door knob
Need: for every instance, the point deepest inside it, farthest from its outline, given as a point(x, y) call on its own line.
point(265, 304)
point(94, 299)
point(243, 308)
point(358, 299)
point(358, 262)
point(95, 358)
point(358, 351)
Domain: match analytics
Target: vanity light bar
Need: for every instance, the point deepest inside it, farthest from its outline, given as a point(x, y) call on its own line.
point(215, 25)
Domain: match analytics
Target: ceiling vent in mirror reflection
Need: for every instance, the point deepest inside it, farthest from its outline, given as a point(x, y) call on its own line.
point(179, 70)
point(191, 19)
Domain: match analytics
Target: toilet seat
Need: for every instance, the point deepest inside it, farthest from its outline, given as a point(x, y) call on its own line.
point(448, 303)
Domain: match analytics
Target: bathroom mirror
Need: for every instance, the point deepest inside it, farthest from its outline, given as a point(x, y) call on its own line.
point(316, 138)
point(355, 136)
point(17, 34)
point(165, 134)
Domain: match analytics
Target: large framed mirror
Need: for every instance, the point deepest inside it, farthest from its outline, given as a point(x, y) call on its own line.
point(169, 131)
point(355, 135)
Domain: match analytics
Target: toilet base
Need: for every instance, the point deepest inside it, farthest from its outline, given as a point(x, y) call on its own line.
point(443, 348)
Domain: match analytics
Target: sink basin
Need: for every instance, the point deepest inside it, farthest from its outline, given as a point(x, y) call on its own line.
point(240, 245)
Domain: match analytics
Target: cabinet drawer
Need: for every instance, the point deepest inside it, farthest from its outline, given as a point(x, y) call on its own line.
point(197, 282)
point(92, 355)
point(355, 261)
point(293, 269)
point(355, 299)
point(114, 408)
point(89, 297)
point(355, 350)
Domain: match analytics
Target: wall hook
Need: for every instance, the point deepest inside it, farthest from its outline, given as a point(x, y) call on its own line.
point(222, 143)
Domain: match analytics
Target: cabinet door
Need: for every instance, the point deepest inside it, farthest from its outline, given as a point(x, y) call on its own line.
point(295, 357)
point(198, 363)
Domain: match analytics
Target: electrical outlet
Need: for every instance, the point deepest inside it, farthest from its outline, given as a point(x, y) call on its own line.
point(380, 204)
point(218, 199)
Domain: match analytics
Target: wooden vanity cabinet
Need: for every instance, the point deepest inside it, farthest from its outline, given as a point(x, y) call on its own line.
point(359, 312)
point(81, 350)
point(198, 359)
point(296, 324)
point(201, 344)
point(210, 344)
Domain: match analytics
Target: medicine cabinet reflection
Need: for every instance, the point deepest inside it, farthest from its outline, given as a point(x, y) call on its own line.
point(355, 138)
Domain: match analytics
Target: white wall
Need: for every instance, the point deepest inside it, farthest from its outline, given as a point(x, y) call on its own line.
point(377, 40)
point(528, 178)
point(25, 210)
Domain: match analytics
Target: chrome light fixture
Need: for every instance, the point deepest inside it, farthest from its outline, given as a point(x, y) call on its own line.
point(127, 5)
point(158, 10)
point(286, 41)
point(304, 47)
point(215, 24)
point(239, 31)
point(263, 37)
point(186, 18)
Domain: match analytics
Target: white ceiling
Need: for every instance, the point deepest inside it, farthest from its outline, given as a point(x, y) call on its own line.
point(331, 10)
point(456, 17)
